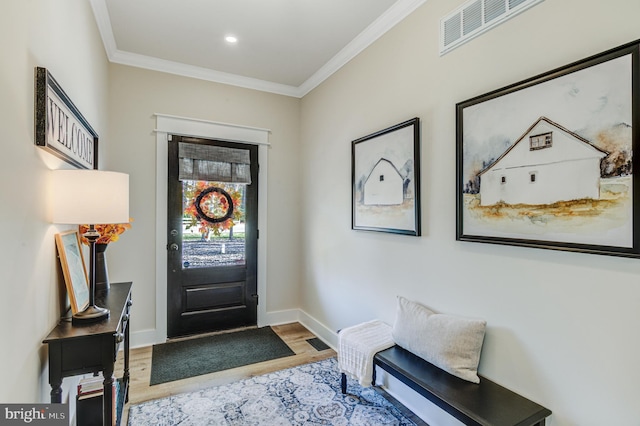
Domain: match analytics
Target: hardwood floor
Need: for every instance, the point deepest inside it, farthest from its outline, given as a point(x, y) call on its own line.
point(295, 335)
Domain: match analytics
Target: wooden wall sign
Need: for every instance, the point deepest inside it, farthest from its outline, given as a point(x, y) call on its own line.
point(59, 127)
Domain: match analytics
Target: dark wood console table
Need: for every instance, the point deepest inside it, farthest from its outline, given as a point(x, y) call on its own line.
point(81, 349)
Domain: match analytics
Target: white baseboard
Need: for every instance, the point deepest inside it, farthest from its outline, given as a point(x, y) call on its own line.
point(325, 334)
point(330, 337)
point(279, 317)
point(418, 404)
point(147, 337)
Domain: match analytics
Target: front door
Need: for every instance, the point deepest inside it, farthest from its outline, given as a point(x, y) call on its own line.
point(212, 236)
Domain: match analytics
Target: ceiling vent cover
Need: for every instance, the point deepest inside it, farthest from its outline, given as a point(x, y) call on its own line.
point(475, 17)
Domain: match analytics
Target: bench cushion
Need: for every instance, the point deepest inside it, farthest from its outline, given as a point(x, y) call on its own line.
point(450, 342)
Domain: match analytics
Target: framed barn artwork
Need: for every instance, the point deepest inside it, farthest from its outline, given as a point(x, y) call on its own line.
point(385, 177)
point(547, 162)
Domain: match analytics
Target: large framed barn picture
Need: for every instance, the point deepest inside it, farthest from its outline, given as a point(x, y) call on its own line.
point(385, 176)
point(547, 162)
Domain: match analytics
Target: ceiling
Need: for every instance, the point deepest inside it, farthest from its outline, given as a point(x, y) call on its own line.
point(284, 46)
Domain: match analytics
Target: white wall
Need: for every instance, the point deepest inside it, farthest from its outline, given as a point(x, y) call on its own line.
point(62, 37)
point(135, 96)
point(562, 327)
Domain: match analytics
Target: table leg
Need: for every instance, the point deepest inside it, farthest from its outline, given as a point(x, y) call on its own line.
point(107, 401)
point(55, 374)
point(56, 392)
point(125, 377)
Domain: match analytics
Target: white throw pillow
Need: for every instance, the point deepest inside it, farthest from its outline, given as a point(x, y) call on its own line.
point(450, 342)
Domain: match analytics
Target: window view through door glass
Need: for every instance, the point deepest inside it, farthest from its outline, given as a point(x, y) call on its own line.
point(213, 219)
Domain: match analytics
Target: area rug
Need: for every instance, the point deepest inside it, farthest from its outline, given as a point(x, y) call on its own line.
point(305, 395)
point(188, 358)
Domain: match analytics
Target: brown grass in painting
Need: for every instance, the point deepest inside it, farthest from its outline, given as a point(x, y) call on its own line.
point(537, 213)
point(563, 209)
point(396, 216)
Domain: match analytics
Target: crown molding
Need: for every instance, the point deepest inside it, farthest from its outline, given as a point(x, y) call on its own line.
point(177, 68)
point(103, 21)
point(396, 13)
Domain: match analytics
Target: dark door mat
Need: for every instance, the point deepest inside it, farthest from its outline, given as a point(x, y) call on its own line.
point(188, 358)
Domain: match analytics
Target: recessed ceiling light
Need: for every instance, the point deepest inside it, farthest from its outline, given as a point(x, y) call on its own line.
point(231, 39)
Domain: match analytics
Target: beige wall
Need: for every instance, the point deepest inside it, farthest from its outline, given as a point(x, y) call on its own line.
point(562, 327)
point(62, 37)
point(135, 96)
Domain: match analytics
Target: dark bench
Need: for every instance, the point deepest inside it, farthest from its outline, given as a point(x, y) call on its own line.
point(486, 403)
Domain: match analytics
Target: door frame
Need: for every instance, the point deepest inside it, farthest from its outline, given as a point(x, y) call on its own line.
point(167, 125)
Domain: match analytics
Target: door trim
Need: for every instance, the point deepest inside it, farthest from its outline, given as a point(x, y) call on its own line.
point(168, 124)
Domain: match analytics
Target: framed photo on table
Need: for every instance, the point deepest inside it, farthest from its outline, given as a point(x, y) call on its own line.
point(385, 177)
point(548, 162)
point(73, 269)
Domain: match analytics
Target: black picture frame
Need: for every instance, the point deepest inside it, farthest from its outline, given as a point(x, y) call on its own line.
point(390, 202)
point(547, 162)
point(60, 128)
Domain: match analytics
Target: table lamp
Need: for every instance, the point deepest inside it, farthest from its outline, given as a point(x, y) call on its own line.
point(90, 197)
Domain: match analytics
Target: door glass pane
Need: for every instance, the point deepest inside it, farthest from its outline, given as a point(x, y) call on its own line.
point(213, 224)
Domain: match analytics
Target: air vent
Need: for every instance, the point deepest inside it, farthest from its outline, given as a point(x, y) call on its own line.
point(475, 17)
point(494, 9)
point(452, 30)
point(472, 17)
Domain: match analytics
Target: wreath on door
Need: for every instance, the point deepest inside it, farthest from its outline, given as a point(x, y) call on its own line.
point(204, 211)
point(212, 207)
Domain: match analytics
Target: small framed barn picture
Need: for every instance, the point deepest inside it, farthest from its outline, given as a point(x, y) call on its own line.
point(385, 176)
point(547, 162)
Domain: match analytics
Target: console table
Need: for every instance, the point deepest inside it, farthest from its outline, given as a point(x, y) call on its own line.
point(81, 349)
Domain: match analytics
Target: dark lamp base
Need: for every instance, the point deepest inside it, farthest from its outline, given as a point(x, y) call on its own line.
point(91, 314)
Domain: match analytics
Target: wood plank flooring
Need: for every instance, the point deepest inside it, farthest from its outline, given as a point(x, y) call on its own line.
point(295, 335)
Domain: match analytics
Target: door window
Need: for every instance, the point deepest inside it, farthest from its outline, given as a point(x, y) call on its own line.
point(213, 224)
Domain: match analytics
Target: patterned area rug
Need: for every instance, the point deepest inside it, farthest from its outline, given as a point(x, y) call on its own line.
point(305, 395)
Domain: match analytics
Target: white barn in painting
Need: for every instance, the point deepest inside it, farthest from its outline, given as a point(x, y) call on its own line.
point(384, 185)
point(547, 164)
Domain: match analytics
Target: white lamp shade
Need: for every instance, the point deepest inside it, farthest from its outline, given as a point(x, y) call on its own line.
point(89, 197)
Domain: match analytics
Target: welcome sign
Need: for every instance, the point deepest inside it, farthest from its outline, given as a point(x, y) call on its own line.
point(59, 127)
